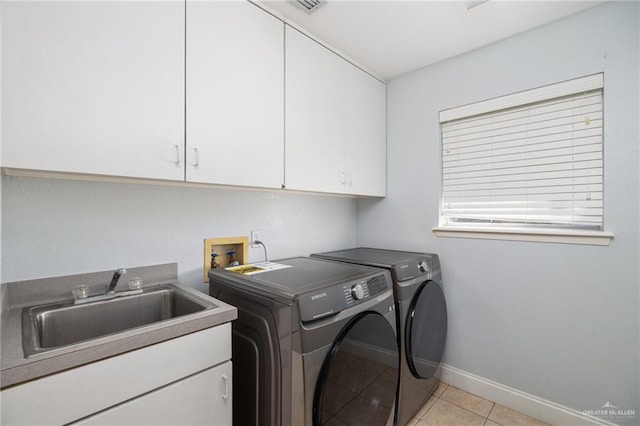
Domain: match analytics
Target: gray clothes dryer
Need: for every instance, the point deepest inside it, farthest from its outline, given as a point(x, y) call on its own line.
point(421, 314)
point(314, 343)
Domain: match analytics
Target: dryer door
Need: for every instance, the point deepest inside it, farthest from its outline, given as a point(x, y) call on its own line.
point(358, 380)
point(426, 330)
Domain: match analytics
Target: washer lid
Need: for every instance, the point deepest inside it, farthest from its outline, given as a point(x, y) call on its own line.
point(320, 287)
point(371, 256)
point(304, 275)
point(405, 265)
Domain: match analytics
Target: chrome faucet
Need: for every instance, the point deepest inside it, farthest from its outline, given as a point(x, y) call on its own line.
point(111, 288)
point(110, 292)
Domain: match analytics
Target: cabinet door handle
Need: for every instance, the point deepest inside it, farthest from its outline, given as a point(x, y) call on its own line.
point(177, 155)
point(226, 387)
point(349, 179)
point(197, 163)
point(341, 177)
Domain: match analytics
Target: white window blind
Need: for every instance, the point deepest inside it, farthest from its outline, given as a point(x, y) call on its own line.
point(529, 159)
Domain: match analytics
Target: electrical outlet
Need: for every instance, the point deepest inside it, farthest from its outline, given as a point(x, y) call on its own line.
point(256, 234)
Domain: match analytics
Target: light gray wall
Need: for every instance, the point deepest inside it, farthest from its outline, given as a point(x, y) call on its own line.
point(638, 387)
point(557, 321)
point(57, 227)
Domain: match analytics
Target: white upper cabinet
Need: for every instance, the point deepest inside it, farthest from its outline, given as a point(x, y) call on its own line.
point(335, 126)
point(365, 135)
point(94, 87)
point(235, 95)
point(205, 91)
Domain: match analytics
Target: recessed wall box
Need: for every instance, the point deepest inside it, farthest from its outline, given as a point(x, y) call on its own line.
point(222, 246)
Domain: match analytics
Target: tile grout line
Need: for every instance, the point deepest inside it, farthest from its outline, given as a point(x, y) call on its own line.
point(428, 409)
point(491, 411)
point(436, 398)
point(493, 404)
point(469, 411)
point(486, 419)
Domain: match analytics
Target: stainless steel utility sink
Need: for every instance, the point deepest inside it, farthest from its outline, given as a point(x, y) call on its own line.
point(57, 325)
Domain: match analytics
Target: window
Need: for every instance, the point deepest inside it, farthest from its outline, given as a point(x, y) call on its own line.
point(529, 161)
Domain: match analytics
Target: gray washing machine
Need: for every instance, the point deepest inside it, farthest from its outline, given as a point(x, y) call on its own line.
point(314, 343)
point(421, 315)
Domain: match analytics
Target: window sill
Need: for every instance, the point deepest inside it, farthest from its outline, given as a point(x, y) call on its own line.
point(594, 238)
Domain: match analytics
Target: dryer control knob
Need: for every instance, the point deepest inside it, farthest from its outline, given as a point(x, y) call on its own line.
point(423, 266)
point(357, 291)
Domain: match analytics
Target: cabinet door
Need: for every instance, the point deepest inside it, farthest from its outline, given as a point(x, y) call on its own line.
point(315, 115)
point(365, 135)
point(94, 87)
point(202, 399)
point(335, 122)
point(235, 95)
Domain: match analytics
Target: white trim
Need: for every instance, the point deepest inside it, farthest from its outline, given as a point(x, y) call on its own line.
point(523, 402)
point(84, 177)
point(594, 238)
point(595, 81)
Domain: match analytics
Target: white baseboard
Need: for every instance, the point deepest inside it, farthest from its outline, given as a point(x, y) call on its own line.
point(531, 405)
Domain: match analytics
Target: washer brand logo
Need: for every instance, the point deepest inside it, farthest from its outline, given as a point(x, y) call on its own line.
point(319, 295)
point(404, 266)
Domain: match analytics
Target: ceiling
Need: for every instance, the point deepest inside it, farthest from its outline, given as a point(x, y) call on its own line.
point(392, 37)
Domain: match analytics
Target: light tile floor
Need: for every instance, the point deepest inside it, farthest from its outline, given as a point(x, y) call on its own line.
point(450, 406)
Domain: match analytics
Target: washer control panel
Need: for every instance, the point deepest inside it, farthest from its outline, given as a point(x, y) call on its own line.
point(422, 266)
point(357, 291)
point(364, 289)
point(332, 300)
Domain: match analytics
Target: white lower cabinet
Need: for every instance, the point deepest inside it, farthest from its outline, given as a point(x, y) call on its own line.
point(183, 381)
point(204, 398)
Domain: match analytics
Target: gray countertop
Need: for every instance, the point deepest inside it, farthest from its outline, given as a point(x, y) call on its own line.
point(16, 368)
